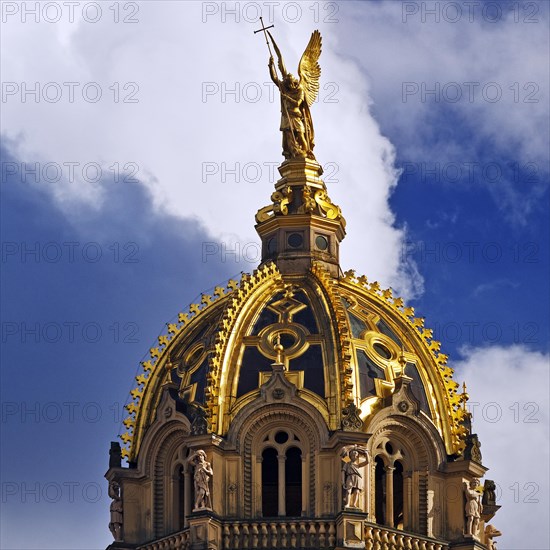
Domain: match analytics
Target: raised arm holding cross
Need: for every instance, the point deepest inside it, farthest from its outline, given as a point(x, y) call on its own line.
point(297, 95)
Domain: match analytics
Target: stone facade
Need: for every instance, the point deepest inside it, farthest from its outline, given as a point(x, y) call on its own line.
point(300, 407)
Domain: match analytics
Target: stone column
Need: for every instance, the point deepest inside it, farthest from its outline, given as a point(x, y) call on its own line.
point(186, 495)
point(257, 481)
point(407, 500)
point(430, 512)
point(305, 484)
point(389, 495)
point(282, 479)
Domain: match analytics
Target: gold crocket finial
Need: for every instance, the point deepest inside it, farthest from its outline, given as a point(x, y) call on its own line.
point(297, 96)
point(168, 366)
point(279, 348)
point(465, 396)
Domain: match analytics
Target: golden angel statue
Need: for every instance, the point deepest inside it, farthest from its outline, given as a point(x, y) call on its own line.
point(297, 96)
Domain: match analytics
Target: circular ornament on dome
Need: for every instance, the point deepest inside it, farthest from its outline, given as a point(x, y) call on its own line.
point(382, 350)
point(194, 354)
point(321, 242)
point(295, 240)
point(292, 337)
point(403, 406)
point(272, 245)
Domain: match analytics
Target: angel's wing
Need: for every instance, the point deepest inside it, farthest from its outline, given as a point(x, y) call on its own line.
point(280, 61)
point(309, 69)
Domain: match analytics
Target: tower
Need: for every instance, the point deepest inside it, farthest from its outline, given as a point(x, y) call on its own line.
point(299, 407)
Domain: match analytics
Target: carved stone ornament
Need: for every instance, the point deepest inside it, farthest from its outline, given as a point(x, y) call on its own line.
point(278, 393)
point(489, 496)
point(473, 448)
point(490, 533)
point(115, 525)
point(403, 406)
point(351, 421)
point(199, 426)
point(115, 455)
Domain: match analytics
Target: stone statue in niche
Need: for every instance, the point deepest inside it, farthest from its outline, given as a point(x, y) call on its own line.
point(473, 508)
point(489, 496)
point(490, 533)
point(115, 525)
point(202, 474)
point(354, 457)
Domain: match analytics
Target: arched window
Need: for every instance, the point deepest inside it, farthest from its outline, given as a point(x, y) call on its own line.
point(270, 483)
point(293, 482)
point(389, 506)
point(380, 490)
point(282, 474)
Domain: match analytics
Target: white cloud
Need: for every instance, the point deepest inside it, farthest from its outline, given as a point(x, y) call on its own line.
point(176, 132)
point(509, 389)
point(401, 47)
point(176, 129)
point(400, 42)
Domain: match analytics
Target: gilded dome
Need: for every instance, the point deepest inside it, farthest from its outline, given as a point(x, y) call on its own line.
point(344, 342)
point(322, 410)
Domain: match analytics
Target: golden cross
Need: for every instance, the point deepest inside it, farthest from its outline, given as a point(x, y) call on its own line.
point(264, 29)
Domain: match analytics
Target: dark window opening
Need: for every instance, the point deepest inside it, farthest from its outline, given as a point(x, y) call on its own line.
point(293, 482)
point(398, 496)
point(380, 491)
point(281, 437)
point(311, 362)
point(385, 329)
point(417, 387)
point(368, 371)
point(253, 362)
point(179, 496)
point(357, 325)
point(305, 316)
point(270, 483)
point(199, 377)
point(287, 340)
point(382, 350)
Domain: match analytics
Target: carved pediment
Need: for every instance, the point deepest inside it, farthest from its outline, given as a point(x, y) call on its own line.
point(403, 400)
point(279, 387)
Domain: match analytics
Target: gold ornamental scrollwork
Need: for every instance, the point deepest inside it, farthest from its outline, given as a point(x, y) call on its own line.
point(281, 200)
point(329, 209)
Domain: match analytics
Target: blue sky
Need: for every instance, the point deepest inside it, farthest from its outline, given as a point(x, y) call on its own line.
point(462, 231)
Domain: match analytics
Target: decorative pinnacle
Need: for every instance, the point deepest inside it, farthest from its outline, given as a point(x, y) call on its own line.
point(464, 396)
point(168, 366)
point(279, 348)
